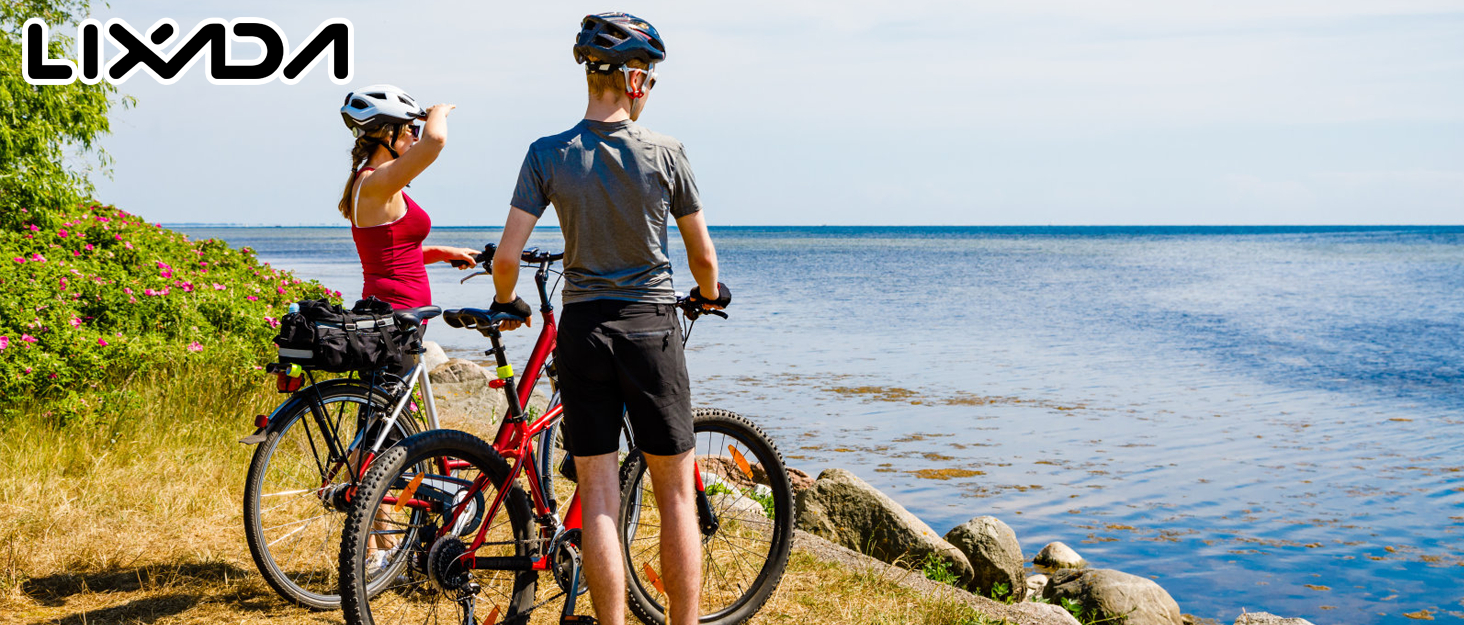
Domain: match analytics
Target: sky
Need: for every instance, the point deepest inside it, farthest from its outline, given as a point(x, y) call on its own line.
point(857, 112)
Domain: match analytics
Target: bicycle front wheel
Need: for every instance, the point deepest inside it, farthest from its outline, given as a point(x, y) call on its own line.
point(295, 493)
point(411, 508)
point(744, 552)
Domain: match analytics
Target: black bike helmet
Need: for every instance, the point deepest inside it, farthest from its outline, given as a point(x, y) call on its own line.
point(612, 39)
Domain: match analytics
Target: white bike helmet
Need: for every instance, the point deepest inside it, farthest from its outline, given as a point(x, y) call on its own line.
point(376, 105)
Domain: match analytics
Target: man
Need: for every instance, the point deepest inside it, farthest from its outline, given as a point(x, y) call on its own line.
point(613, 183)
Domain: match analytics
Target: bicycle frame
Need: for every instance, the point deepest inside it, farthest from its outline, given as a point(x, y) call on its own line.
point(515, 440)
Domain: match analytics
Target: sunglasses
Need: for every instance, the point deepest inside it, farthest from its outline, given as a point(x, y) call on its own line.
point(416, 130)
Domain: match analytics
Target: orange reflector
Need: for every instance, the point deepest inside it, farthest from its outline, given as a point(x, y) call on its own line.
point(408, 492)
point(655, 579)
point(492, 617)
point(741, 461)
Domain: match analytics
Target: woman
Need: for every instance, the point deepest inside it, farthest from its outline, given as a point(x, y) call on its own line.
point(388, 227)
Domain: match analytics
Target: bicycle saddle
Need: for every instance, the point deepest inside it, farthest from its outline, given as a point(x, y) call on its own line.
point(476, 318)
point(415, 316)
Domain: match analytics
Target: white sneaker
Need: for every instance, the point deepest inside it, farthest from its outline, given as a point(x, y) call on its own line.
point(379, 559)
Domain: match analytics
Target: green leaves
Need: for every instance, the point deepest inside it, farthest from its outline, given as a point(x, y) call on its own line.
point(97, 294)
point(48, 134)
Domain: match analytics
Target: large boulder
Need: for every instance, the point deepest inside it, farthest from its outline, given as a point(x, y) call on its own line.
point(1115, 595)
point(1057, 555)
point(457, 370)
point(848, 511)
point(1264, 618)
point(434, 357)
point(464, 399)
point(995, 556)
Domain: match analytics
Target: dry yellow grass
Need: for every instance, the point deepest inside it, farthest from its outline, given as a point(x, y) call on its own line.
point(133, 515)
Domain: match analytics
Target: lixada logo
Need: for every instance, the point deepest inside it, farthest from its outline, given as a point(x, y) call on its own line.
point(213, 38)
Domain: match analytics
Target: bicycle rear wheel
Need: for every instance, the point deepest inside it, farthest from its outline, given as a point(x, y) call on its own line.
point(294, 497)
point(433, 518)
point(744, 556)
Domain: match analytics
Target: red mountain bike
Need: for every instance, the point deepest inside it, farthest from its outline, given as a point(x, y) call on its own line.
point(476, 524)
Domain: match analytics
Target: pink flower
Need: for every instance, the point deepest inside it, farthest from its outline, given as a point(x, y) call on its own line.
point(127, 290)
point(75, 322)
point(75, 253)
point(150, 292)
point(273, 323)
point(37, 258)
point(280, 289)
point(164, 266)
point(127, 244)
point(19, 259)
point(4, 342)
point(252, 298)
point(27, 338)
point(187, 287)
point(195, 347)
point(63, 284)
point(34, 228)
point(102, 219)
point(88, 247)
point(61, 233)
point(219, 287)
point(117, 236)
point(102, 342)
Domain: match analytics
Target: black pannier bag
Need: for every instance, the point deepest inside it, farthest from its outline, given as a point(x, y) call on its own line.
point(325, 337)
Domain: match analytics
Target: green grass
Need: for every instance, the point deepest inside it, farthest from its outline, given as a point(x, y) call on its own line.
point(937, 569)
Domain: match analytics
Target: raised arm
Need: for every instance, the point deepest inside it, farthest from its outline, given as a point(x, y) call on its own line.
point(699, 251)
point(394, 176)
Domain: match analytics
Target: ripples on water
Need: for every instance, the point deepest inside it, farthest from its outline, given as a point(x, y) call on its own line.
point(1266, 418)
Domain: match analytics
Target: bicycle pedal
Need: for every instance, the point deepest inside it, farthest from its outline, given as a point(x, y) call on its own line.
point(577, 619)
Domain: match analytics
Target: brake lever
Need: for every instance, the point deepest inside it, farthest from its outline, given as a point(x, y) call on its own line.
point(474, 275)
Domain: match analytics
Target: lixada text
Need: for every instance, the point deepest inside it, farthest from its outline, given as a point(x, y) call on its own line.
point(161, 53)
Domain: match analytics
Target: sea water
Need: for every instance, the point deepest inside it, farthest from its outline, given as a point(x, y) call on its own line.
point(1257, 417)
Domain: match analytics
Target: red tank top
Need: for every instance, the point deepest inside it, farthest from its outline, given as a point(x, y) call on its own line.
point(391, 258)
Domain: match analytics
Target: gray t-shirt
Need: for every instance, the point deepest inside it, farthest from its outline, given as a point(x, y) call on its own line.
point(613, 185)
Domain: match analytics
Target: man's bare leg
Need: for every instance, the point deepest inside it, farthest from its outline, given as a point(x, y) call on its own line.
point(681, 550)
point(599, 492)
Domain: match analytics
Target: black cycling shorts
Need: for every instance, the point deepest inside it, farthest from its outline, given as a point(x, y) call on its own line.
point(616, 357)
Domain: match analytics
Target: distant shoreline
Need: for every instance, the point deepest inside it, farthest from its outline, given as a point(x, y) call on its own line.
point(1111, 229)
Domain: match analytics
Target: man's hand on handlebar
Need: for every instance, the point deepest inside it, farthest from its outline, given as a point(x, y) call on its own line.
point(724, 297)
point(519, 308)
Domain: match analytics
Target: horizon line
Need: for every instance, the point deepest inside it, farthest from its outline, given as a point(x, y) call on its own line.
point(188, 224)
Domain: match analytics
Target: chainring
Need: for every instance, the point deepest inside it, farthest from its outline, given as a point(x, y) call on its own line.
point(565, 552)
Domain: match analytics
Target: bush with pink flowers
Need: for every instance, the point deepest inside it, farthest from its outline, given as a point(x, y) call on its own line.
point(91, 295)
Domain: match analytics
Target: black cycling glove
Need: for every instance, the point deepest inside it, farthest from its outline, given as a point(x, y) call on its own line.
point(518, 308)
point(724, 296)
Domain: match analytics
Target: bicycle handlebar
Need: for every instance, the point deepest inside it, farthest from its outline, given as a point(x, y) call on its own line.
point(531, 255)
point(692, 311)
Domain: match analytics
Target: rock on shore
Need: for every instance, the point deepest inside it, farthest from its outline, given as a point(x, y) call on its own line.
point(461, 392)
point(1057, 555)
point(1115, 595)
point(995, 556)
point(848, 511)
